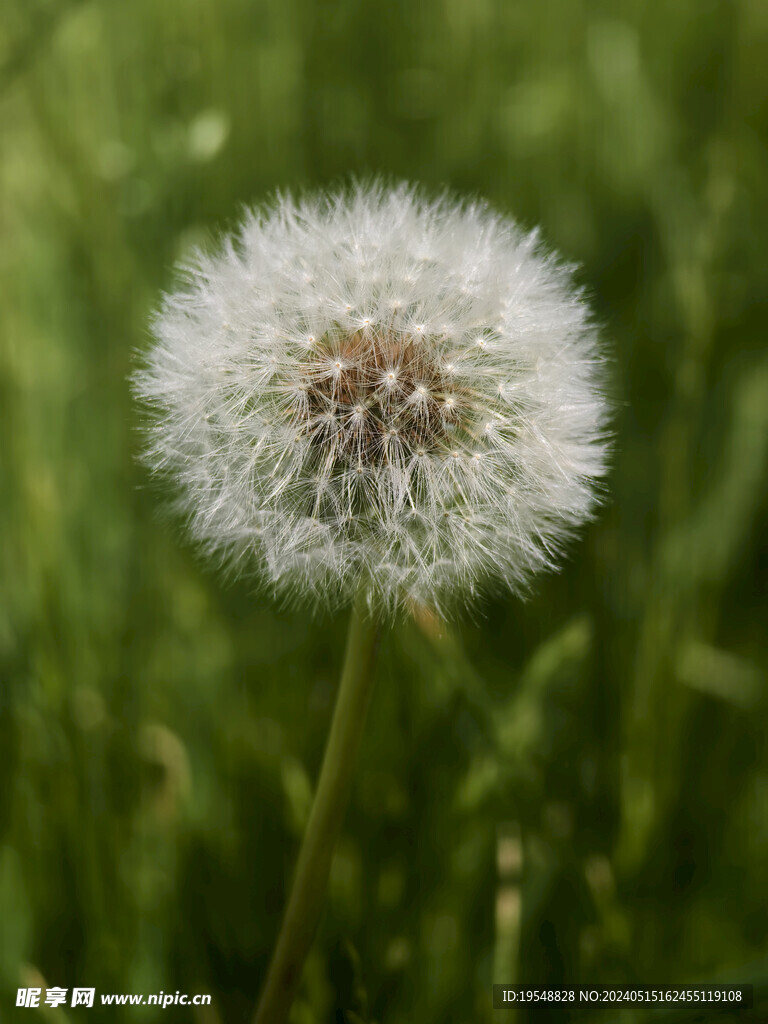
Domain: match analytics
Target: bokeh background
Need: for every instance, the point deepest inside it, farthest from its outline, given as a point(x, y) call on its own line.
point(568, 790)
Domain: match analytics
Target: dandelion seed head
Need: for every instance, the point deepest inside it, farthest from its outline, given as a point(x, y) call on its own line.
point(368, 419)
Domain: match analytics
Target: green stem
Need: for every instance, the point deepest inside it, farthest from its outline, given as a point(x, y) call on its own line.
point(338, 770)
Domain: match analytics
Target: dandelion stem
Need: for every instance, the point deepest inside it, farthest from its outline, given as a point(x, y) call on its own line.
point(336, 774)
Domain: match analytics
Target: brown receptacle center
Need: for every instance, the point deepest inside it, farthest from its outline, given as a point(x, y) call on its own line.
point(372, 398)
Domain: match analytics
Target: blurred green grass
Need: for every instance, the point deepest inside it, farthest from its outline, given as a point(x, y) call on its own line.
point(571, 790)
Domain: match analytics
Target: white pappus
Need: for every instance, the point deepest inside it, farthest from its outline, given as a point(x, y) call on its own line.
point(375, 389)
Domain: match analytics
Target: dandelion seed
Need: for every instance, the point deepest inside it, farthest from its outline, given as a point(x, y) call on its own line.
point(476, 468)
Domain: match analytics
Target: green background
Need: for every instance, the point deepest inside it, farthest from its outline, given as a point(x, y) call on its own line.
point(568, 790)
